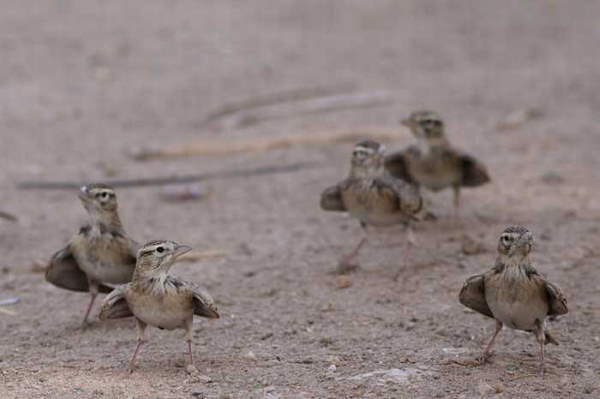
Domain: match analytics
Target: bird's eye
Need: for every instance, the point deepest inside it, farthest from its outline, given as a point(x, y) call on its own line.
point(104, 194)
point(160, 249)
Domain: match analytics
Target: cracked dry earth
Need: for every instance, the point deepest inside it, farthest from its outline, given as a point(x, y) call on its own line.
point(84, 83)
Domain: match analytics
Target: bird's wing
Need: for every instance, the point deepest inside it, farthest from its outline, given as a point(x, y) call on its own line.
point(406, 195)
point(472, 295)
point(204, 305)
point(64, 272)
point(331, 199)
point(474, 173)
point(126, 248)
point(115, 305)
point(397, 166)
point(557, 303)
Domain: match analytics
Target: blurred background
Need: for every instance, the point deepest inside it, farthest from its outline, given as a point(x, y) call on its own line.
point(84, 86)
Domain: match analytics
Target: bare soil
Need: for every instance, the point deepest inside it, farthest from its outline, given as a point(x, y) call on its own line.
point(84, 83)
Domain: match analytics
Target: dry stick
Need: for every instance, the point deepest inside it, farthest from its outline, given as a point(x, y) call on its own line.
point(8, 216)
point(317, 105)
point(276, 98)
point(228, 147)
point(313, 106)
point(158, 181)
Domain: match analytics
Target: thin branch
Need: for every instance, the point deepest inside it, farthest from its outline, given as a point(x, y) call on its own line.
point(160, 181)
point(313, 106)
point(8, 216)
point(228, 147)
point(276, 98)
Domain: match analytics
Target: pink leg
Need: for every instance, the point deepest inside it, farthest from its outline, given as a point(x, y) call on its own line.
point(346, 265)
point(488, 349)
point(93, 293)
point(540, 335)
point(141, 328)
point(188, 338)
point(409, 242)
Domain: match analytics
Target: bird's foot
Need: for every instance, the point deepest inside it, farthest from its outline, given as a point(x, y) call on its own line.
point(191, 369)
point(430, 216)
point(346, 266)
point(85, 325)
point(484, 358)
point(130, 368)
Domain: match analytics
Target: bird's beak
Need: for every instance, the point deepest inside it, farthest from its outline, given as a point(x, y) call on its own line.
point(524, 244)
point(180, 250)
point(84, 194)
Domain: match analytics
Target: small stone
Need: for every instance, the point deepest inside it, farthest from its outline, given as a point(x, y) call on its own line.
point(343, 282)
point(266, 336)
point(499, 388)
point(552, 178)
point(250, 355)
point(191, 369)
point(483, 388)
point(471, 247)
point(332, 368)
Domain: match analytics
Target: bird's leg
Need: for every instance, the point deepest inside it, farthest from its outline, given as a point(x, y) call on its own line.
point(410, 242)
point(141, 338)
point(188, 338)
point(93, 292)
point(456, 191)
point(410, 236)
point(488, 349)
point(346, 265)
point(540, 335)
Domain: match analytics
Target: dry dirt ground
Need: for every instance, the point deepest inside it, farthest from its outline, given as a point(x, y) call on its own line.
point(84, 83)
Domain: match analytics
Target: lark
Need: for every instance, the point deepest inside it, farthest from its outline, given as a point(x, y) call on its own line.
point(100, 254)
point(371, 195)
point(514, 293)
point(153, 297)
point(434, 163)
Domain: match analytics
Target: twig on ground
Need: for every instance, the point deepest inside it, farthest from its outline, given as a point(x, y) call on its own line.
point(228, 147)
point(276, 98)
point(9, 301)
point(8, 216)
point(313, 106)
point(159, 181)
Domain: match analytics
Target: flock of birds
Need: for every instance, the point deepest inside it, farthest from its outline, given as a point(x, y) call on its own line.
point(380, 190)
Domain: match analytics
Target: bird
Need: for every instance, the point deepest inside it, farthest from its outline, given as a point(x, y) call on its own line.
point(434, 163)
point(100, 254)
point(371, 195)
point(153, 297)
point(514, 293)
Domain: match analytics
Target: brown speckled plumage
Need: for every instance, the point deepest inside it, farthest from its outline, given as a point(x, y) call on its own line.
point(370, 194)
point(155, 298)
point(434, 163)
point(513, 292)
point(100, 253)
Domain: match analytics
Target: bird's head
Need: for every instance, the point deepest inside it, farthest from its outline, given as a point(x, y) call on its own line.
point(367, 158)
point(98, 198)
point(426, 125)
point(515, 241)
point(157, 257)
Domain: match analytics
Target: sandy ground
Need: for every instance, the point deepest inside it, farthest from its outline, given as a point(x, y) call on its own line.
point(84, 83)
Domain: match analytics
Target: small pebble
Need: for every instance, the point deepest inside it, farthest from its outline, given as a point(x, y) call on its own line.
point(343, 282)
